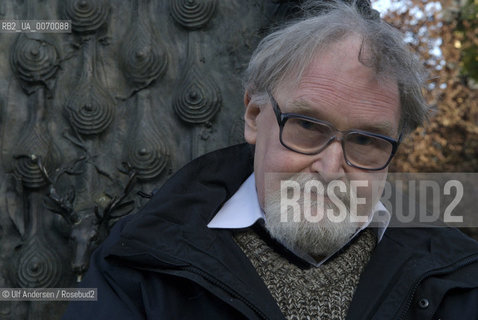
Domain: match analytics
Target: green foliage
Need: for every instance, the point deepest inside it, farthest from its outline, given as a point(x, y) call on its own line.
point(468, 27)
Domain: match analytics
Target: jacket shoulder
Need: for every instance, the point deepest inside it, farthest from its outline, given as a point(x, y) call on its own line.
point(445, 242)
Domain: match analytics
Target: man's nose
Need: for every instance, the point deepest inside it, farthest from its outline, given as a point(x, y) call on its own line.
point(330, 163)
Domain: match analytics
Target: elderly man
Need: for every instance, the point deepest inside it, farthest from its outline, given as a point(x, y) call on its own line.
point(327, 99)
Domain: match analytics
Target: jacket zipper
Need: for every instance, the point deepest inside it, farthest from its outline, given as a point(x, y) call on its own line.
point(226, 288)
point(451, 268)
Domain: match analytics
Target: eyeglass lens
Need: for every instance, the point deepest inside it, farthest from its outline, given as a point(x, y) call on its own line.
point(360, 149)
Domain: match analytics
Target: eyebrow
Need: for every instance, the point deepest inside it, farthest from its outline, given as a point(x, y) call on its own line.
point(304, 108)
point(384, 128)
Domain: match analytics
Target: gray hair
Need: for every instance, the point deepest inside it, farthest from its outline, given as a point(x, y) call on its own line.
point(285, 53)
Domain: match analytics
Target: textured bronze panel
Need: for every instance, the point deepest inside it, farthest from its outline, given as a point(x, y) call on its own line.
point(93, 121)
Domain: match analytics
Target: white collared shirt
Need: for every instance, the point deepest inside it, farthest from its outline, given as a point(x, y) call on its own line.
point(242, 210)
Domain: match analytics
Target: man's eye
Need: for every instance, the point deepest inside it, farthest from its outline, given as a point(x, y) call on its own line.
point(361, 140)
point(306, 124)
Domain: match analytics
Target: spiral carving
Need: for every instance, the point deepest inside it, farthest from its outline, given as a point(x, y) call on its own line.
point(148, 154)
point(38, 266)
point(90, 108)
point(199, 98)
point(143, 57)
point(192, 14)
point(32, 146)
point(86, 15)
point(30, 173)
point(34, 60)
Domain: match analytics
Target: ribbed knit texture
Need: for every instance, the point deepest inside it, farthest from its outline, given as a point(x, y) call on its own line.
point(323, 292)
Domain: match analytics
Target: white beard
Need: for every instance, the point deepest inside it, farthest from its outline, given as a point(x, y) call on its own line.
point(318, 239)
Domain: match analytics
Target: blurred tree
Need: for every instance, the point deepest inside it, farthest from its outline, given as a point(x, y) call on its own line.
point(467, 29)
point(445, 34)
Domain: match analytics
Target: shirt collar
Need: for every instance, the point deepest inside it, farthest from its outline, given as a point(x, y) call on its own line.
point(242, 210)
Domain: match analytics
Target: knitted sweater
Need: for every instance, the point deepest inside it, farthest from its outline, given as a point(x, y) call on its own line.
point(323, 292)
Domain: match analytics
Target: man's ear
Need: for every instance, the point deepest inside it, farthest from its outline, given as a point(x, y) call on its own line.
point(250, 119)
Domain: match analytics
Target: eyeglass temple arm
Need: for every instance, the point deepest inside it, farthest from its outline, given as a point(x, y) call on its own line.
point(275, 107)
point(399, 140)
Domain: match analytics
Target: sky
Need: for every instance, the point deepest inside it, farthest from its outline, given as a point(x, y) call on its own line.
point(384, 5)
point(402, 5)
point(381, 5)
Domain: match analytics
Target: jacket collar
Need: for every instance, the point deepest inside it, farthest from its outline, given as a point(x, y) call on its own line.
point(171, 230)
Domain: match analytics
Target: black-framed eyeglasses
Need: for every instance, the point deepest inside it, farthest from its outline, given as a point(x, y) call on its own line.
point(310, 136)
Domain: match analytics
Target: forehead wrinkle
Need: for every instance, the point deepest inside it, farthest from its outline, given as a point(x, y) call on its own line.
point(336, 87)
point(302, 106)
point(317, 103)
point(325, 95)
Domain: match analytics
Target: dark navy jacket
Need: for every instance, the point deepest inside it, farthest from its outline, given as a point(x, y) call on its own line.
point(164, 263)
